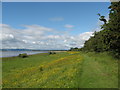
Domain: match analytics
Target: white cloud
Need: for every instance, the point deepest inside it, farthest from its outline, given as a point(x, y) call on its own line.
point(39, 37)
point(56, 19)
point(24, 41)
point(86, 35)
point(53, 37)
point(69, 26)
point(6, 36)
point(34, 42)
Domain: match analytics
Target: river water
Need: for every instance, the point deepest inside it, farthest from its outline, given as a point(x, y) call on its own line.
point(16, 53)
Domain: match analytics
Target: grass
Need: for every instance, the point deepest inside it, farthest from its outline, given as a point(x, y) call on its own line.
point(99, 71)
point(61, 70)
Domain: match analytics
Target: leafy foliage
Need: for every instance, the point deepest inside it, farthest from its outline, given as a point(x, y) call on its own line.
point(23, 55)
point(102, 18)
point(74, 49)
point(109, 38)
point(52, 53)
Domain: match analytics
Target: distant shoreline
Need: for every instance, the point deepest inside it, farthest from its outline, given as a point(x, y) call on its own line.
point(28, 50)
point(16, 53)
point(10, 53)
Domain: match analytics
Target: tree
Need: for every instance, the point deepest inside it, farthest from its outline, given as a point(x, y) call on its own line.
point(102, 18)
point(109, 38)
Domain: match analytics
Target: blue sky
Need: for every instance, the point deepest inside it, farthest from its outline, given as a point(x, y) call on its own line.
point(70, 18)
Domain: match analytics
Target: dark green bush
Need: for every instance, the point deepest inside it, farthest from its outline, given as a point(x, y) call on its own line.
point(52, 53)
point(23, 55)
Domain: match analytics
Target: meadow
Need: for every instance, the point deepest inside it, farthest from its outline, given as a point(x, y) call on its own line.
point(61, 70)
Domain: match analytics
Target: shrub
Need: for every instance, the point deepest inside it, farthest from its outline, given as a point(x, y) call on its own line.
point(23, 55)
point(52, 53)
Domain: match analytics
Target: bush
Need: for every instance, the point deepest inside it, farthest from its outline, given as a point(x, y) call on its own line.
point(23, 55)
point(52, 53)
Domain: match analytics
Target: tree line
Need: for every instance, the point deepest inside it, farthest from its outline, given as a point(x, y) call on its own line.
point(108, 39)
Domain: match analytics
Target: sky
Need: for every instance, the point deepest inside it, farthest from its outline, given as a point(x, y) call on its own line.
point(50, 25)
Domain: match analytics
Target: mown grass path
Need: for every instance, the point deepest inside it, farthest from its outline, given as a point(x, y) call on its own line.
point(62, 70)
point(99, 71)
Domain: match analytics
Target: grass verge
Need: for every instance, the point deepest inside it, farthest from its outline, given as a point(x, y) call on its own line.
point(61, 70)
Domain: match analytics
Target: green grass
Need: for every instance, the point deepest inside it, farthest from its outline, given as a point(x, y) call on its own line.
point(61, 70)
point(99, 71)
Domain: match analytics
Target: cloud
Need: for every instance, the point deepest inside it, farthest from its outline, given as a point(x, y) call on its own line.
point(69, 26)
point(86, 35)
point(39, 37)
point(56, 19)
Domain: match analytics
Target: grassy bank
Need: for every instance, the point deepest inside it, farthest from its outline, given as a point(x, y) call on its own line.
point(61, 70)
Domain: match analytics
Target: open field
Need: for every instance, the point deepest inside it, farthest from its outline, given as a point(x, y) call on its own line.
point(61, 70)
